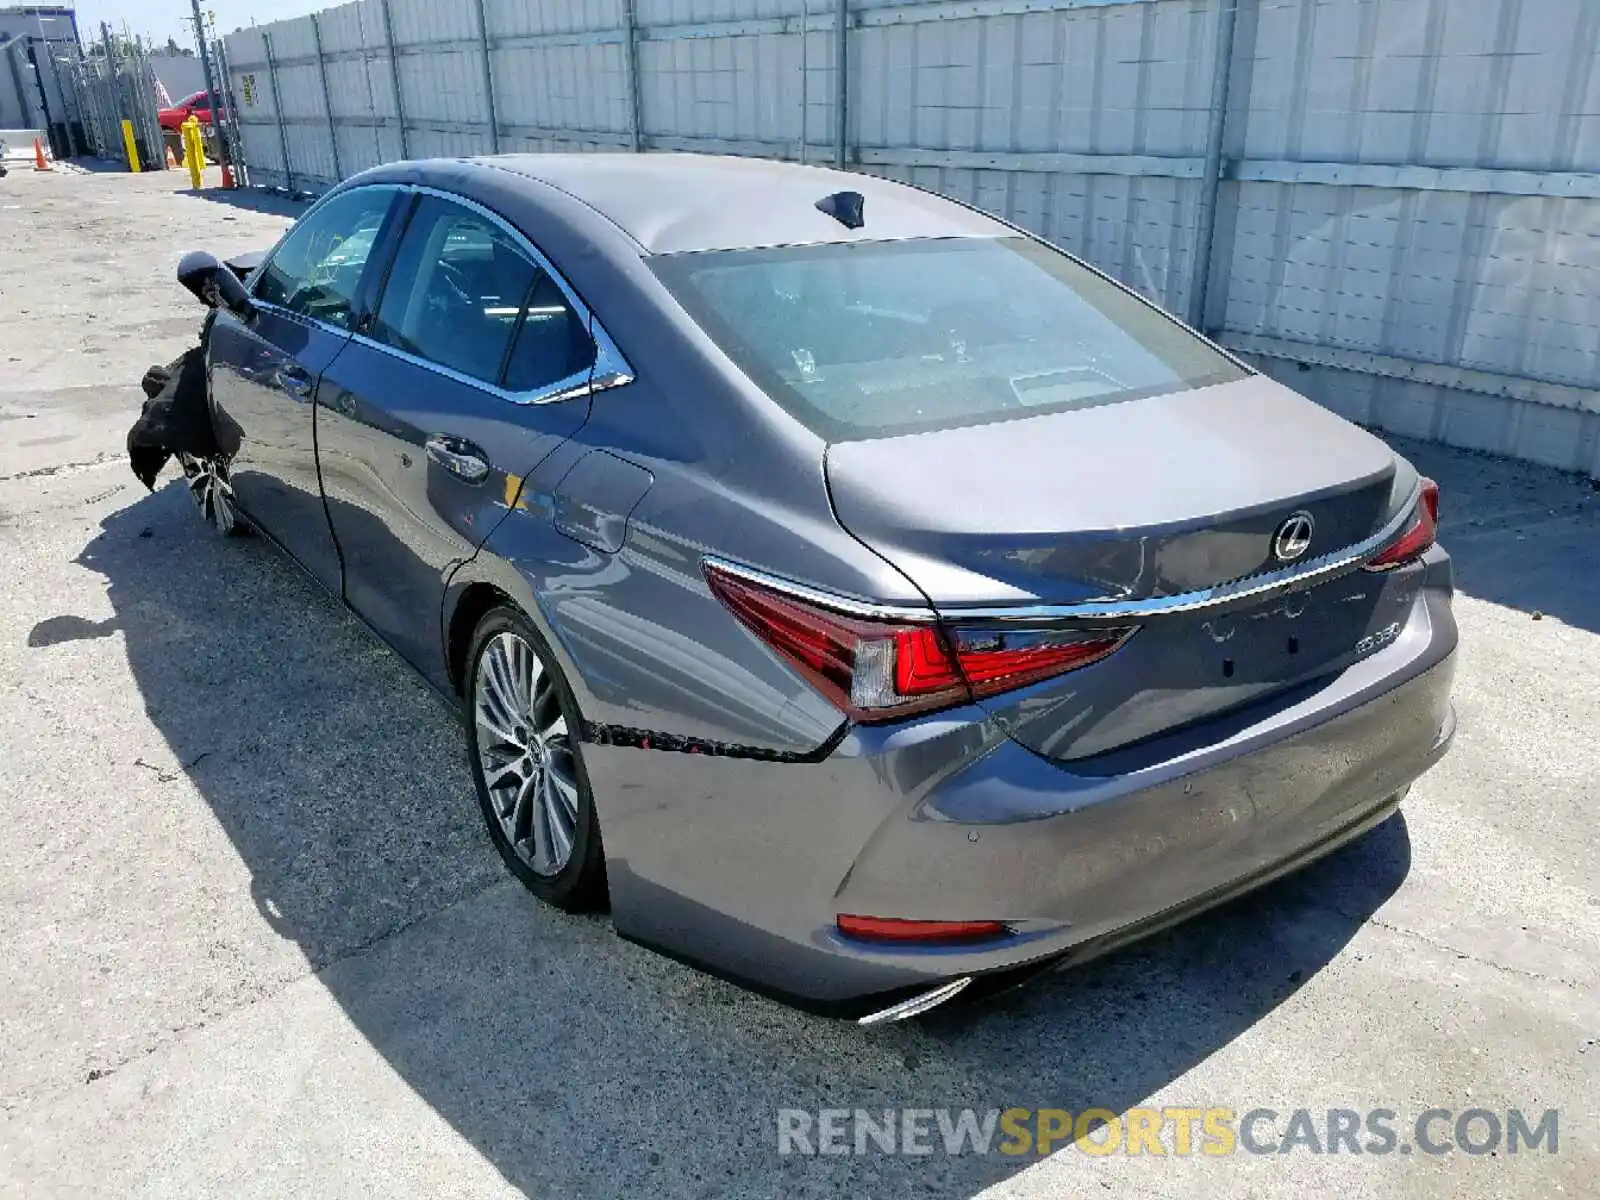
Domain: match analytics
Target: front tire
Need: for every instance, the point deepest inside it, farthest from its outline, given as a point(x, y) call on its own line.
point(524, 741)
point(211, 489)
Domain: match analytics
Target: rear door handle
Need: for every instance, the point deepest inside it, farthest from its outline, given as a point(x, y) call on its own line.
point(458, 456)
point(296, 381)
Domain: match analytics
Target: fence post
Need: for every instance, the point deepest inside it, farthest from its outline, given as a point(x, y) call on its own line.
point(1211, 183)
point(277, 113)
point(488, 77)
point(841, 95)
point(394, 76)
point(630, 70)
point(234, 134)
point(145, 106)
point(327, 100)
point(212, 91)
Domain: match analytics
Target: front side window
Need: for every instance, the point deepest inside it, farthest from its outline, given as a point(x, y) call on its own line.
point(871, 339)
point(461, 291)
point(317, 268)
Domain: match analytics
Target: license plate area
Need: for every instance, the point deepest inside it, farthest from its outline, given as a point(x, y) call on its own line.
point(1184, 667)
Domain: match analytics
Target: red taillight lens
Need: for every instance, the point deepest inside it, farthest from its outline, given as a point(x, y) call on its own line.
point(1418, 537)
point(871, 670)
point(999, 660)
point(892, 929)
point(882, 670)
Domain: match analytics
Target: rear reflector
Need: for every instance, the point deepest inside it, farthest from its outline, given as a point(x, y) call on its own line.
point(1418, 536)
point(881, 670)
point(892, 929)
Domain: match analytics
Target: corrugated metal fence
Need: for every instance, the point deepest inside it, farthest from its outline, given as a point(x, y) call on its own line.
point(1393, 204)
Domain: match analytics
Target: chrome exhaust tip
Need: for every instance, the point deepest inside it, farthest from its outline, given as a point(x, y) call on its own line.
point(917, 1004)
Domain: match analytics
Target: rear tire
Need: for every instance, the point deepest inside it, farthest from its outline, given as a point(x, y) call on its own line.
point(524, 741)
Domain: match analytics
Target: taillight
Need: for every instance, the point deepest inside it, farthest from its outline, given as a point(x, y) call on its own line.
point(1424, 528)
point(997, 660)
point(881, 670)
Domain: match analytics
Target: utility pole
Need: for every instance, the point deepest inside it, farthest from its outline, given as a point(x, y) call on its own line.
point(215, 100)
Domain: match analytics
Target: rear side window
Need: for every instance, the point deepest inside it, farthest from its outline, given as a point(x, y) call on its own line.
point(457, 290)
point(317, 268)
point(871, 339)
point(552, 342)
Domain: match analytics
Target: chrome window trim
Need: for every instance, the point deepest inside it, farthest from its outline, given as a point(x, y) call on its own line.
point(1250, 587)
point(483, 385)
point(1099, 612)
point(610, 369)
point(583, 383)
point(301, 318)
point(844, 605)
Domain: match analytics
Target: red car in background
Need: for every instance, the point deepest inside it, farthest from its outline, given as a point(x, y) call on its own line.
point(197, 105)
point(194, 105)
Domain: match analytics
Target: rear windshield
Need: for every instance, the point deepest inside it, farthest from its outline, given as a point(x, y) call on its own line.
point(868, 339)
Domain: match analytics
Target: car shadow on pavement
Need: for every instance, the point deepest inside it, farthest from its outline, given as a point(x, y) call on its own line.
point(86, 163)
point(1518, 533)
point(574, 1062)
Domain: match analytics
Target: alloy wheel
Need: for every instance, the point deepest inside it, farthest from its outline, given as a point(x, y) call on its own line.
point(526, 753)
point(211, 490)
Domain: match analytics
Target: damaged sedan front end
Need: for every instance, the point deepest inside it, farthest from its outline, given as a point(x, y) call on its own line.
point(176, 420)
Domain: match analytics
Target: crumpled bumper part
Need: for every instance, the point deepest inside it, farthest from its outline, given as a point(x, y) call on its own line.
point(176, 417)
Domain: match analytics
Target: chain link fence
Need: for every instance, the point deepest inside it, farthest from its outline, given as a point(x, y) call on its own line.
point(103, 90)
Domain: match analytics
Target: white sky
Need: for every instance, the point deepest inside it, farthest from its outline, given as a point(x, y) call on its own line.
point(160, 19)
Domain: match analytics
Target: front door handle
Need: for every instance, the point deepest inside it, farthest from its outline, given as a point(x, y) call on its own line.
point(296, 381)
point(458, 456)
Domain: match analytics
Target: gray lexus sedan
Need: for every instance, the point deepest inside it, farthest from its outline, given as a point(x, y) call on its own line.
point(867, 599)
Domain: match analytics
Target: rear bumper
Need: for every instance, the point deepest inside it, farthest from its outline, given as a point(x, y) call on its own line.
point(741, 867)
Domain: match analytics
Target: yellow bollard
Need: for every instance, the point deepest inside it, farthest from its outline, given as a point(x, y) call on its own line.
point(194, 151)
point(132, 148)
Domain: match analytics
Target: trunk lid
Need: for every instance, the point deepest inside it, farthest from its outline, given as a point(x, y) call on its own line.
point(1138, 500)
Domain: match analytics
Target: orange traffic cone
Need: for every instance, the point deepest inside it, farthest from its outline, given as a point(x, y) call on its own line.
point(39, 163)
point(227, 176)
point(172, 159)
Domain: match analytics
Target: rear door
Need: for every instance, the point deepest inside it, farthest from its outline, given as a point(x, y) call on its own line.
point(264, 372)
point(473, 368)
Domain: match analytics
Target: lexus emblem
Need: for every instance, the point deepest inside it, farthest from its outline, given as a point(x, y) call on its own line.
point(1293, 537)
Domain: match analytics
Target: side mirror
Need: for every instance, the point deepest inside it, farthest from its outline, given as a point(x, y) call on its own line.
point(214, 285)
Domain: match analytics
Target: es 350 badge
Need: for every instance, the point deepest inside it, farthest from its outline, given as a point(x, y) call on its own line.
point(1381, 638)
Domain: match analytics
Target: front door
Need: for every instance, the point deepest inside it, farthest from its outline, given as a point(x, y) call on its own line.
point(438, 408)
point(264, 372)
